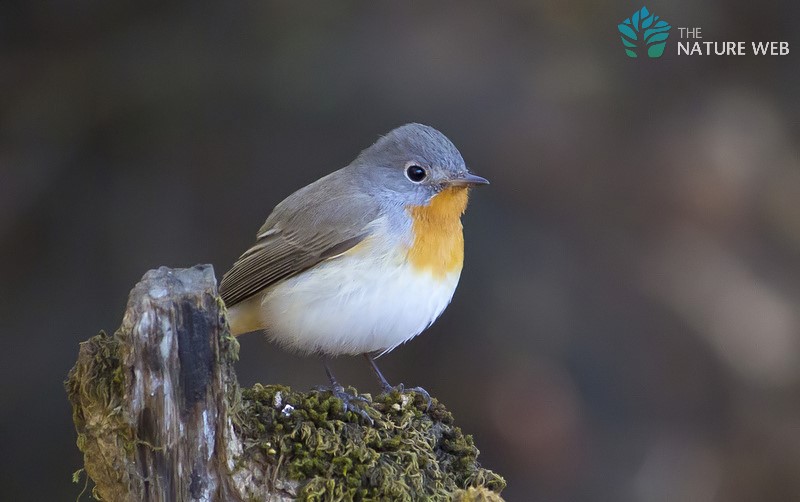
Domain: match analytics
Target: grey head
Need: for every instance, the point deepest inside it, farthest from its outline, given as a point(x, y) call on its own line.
point(410, 165)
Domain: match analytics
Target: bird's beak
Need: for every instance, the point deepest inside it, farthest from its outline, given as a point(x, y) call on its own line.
point(467, 180)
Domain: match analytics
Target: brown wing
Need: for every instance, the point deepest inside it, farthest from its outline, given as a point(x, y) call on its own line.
point(316, 223)
point(277, 256)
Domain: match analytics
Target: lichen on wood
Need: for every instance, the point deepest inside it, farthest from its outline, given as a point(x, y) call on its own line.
point(160, 416)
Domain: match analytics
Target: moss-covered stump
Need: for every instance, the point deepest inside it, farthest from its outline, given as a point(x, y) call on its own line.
point(408, 453)
point(160, 417)
point(151, 404)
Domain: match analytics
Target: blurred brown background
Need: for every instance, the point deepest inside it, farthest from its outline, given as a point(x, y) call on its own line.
point(627, 325)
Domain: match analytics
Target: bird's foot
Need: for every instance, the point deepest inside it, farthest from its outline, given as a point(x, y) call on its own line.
point(401, 389)
point(350, 402)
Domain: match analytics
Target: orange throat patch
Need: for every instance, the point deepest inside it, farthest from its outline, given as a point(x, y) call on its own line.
point(438, 245)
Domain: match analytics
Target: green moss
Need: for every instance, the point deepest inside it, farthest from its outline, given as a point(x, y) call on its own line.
point(479, 494)
point(407, 454)
point(95, 389)
point(229, 345)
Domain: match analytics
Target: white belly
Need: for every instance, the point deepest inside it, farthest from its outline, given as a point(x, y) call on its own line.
point(352, 306)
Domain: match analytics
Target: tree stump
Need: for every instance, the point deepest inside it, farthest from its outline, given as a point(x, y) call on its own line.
point(160, 417)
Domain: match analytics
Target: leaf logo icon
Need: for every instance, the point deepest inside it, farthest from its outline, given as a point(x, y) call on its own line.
point(644, 30)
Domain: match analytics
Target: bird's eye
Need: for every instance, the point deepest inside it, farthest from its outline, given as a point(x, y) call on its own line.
point(415, 173)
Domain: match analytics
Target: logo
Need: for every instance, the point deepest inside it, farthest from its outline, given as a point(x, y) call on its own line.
point(644, 32)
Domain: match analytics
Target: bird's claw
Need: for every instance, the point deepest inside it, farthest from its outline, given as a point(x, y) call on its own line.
point(350, 402)
point(401, 389)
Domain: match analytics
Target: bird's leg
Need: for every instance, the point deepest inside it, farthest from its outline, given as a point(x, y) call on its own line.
point(387, 387)
point(334, 383)
point(348, 400)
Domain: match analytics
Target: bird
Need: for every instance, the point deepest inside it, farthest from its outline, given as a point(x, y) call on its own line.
point(361, 260)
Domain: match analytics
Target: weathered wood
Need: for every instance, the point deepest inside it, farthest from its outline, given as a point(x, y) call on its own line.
point(160, 417)
point(174, 389)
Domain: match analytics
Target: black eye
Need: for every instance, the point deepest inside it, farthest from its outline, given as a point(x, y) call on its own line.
point(415, 173)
